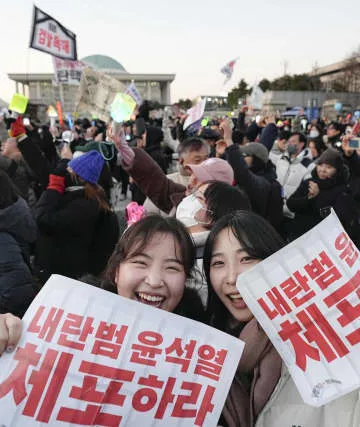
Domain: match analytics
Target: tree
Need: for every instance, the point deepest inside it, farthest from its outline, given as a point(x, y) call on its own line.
point(237, 93)
point(265, 85)
point(351, 75)
point(185, 104)
point(301, 82)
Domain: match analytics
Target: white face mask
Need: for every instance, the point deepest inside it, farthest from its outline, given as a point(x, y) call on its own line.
point(314, 133)
point(187, 209)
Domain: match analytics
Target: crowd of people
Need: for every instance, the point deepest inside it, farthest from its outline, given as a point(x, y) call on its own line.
point(241, 189)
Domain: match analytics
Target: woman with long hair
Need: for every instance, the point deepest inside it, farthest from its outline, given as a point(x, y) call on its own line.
point(150, 264)
point(262, 393)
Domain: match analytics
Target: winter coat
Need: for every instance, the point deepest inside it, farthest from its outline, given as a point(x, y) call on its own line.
point(286, 408)
point(257, 375)
point(309, 212)
point(165, 194)
point(17, 231)
point(269, 135)
point(20, 174)
point(290, 172)
point(275, 154)
point(262, 188)
point(71, 228)
point(42, 168)
point(175, 177)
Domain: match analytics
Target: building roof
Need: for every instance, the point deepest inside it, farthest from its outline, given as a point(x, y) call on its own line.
point(25, 78)
point(332, 68)
point(103, 62)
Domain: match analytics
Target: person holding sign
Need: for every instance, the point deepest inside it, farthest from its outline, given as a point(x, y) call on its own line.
point(262, 394)
point(78, 231)
point(236, 243)
point(150, 264)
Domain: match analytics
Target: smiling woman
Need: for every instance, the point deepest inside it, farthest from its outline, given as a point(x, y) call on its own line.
point(237, 242)
point(151, 263)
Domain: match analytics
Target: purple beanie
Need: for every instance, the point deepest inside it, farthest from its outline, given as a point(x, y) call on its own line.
point(88, 166)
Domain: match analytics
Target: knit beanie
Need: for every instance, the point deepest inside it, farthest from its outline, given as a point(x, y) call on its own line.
point(88, 166)
point(333, 158)
point(257, 150)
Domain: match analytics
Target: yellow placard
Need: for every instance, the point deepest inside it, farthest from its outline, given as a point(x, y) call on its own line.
point(18, 103)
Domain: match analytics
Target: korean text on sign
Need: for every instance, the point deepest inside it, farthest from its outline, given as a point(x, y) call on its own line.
point(106, 361)
point(306, 297)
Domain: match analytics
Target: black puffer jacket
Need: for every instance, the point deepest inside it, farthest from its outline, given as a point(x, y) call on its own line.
point(17, 231)
point(76, 237)
point(20, 174)
point(333, 193)
point(261, 187)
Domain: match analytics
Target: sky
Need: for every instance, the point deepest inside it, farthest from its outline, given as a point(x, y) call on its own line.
point(193, 39)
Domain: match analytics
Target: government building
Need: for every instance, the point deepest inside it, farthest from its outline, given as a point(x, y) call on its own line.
point(42, 90)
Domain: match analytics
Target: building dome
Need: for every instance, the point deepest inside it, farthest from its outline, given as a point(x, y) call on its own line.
point(103, 62)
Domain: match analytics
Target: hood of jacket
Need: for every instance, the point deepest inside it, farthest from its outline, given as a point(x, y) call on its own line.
point(18, 221)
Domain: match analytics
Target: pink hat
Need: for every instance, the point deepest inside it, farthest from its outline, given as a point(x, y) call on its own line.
point(213, 170)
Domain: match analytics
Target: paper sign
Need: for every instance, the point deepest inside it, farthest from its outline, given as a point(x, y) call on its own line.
point(122, 107)
point(204, 121)
point(68, 72)
point(134, 93)
point(306, 298)
point(195, 113)
point(18, 103)
point(49, 36)
point(96, 94)
point(90, 357)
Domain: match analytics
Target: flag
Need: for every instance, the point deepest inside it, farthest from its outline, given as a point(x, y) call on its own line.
point(49, 36)
point(228, 69)
point(134, 93)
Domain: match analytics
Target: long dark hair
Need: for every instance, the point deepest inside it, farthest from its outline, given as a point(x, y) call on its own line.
point(92, 191)
point(8, 191)
point(136, 238)
point(256, 236)
point(222, 199)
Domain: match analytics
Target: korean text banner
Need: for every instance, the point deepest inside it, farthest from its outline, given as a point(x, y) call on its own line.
point(306, 298)
point(67, 72)
point(49, 36)
point(90, 357)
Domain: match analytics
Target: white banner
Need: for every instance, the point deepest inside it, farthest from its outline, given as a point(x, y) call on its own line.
point(90, 357)
point(195, 113)
point(67, 72)
point(49, 36)
point(306, 298)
